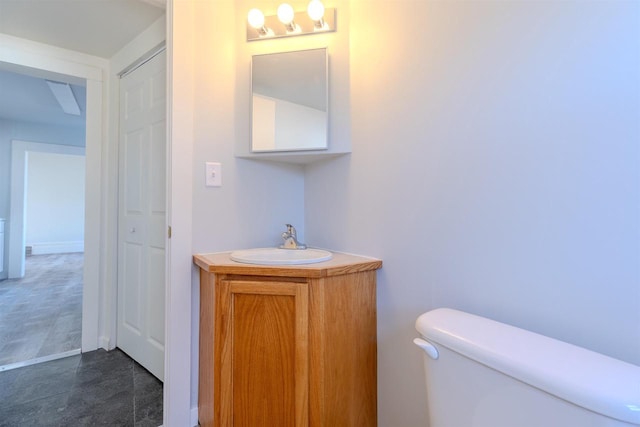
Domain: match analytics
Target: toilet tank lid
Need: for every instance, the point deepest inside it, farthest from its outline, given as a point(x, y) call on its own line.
point(585, 378)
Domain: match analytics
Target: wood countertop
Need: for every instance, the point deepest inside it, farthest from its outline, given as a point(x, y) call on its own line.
point(341, 263)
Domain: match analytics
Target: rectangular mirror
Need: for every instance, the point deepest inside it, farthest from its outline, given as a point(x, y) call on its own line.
point(289, 101)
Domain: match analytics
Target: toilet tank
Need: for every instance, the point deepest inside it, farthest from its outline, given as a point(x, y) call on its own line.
point(482, 373)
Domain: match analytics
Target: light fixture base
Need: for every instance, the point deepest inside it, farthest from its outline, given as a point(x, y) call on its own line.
point(307, 26)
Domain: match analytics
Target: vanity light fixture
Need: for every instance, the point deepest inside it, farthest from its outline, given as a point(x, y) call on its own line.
point(315, 10)
point(286, 15)
point(256, 21)
point(289, 23)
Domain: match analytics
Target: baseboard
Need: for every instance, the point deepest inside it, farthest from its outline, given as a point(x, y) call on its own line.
point(39, 360)
point(194, 416)
point(56, 247)
point(105, 342)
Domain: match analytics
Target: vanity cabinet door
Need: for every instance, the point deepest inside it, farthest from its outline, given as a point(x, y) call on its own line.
point(262, 353)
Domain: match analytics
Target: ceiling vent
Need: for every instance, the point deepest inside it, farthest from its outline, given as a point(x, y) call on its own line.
point(65, 97)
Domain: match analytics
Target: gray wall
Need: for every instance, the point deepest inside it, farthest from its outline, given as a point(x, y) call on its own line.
point(495, 169)
point(256, 198)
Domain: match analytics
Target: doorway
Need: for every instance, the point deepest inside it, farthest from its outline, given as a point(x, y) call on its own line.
point(42, 193)
point(91, 78)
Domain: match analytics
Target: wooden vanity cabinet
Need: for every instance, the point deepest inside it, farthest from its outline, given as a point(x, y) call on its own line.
point(287, 345)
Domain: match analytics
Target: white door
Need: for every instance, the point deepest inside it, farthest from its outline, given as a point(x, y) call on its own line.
point(142, 227)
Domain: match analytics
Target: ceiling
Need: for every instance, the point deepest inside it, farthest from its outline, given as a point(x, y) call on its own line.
point(29, 99)
point(95, 27)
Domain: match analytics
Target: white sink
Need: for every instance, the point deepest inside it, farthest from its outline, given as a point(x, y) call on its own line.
point(276, 256)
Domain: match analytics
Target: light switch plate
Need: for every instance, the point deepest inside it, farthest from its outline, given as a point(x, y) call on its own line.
point(213, 174)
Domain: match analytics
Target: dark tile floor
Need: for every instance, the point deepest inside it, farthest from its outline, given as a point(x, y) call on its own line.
point(95, 388)
point(41, 314)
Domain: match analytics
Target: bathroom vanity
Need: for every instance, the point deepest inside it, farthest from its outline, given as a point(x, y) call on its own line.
point(287, 345)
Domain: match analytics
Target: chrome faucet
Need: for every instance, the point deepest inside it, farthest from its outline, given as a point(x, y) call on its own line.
point(291, 240)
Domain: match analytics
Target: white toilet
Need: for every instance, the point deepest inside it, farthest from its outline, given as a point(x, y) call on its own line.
point(482, 373)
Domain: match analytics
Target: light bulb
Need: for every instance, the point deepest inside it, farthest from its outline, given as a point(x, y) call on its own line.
point(256, 18)
point(285, 13)
point(315, 10)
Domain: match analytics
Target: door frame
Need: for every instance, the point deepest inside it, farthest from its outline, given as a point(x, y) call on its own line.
point(39, 60)
point(180, 366)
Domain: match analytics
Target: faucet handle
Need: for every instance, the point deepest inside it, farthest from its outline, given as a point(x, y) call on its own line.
point(291, 229)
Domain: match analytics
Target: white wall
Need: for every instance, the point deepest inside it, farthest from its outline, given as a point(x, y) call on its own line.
point(25, 131)
point(495, 169)
point(55, 203)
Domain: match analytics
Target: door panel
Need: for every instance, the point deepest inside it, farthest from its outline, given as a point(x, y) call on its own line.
point(131, 143)
point(131, 297)
point(262, 354)
point(142, 214)
point(155, 297)
point(264, 346)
